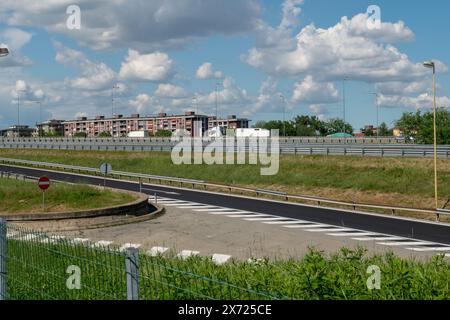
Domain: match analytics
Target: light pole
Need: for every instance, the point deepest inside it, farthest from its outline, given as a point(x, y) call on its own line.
point(378, 112)
point(217, 101)
point(432, 65)
point(18, 111)
point(40, 116)
point(283, 101)
point(112, 99)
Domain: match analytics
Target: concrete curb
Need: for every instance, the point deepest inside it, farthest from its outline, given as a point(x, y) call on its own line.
point(138, 207)
point(147, 217)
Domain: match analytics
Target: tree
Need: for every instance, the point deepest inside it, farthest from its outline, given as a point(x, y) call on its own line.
point(419, 127)
point(307, 126)
point(333, 126)
point(105, 134)
point(383, 130)
point(409, 124)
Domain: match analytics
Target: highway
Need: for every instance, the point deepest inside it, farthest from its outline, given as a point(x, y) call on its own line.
point(394, 226)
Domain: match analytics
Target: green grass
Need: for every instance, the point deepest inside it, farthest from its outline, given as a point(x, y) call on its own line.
point(18, 196)
point(297, 174)
point(38, 271)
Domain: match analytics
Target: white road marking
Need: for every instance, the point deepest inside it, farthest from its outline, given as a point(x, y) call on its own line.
point(398, 244)
point(155, 251)
point(374, 238)
point(265, 219)
point(287, 222)
point(224, 213)
point(214, 210)
point(184, 254)
point(329, 230)
point(245, 215)
point(172, 204)
point(220, 258)
point(442, 249)
point(351, 234)
point(304, 226)
point(198, 207)
point(129, 245)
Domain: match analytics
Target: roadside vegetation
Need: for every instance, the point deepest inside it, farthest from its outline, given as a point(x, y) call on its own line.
point(38, 271)
point(25, 197)
point(395, 181)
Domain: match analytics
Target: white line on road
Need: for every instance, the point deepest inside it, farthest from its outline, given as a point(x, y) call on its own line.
point(245, 215)
point(405, 243)
point(214, 210)
point(329, 230)
point(305, 226)
point(288, 222)
point(374, 238)
point(265, 219)
point(443, 249)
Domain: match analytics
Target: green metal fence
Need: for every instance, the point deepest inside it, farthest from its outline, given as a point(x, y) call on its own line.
point(35, 265)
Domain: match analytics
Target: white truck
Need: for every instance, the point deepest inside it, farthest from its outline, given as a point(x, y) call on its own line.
point(138, 134)
point(252, 132)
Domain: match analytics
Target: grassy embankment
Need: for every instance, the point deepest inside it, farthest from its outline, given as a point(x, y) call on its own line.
point(25, 197)
point(37, 270)
point(395, 181)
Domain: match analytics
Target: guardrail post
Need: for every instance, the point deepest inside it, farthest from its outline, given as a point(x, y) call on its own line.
point(132, 273)
point(3, 255)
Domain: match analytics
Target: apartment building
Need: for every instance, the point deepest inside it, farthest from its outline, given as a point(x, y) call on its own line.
point(231, 122)
point(120, 126)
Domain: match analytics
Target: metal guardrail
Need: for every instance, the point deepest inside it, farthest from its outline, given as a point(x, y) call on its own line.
point(287, 197)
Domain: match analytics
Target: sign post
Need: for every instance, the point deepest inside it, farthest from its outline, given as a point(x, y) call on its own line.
point(105, 169)
point(44, 184)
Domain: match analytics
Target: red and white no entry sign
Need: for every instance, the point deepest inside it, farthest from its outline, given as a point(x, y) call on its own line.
point(44, 183)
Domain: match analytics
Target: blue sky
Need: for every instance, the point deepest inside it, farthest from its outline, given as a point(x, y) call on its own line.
point(164, 53)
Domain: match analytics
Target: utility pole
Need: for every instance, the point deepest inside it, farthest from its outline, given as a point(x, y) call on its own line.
point(217, 101)
point(378, 112)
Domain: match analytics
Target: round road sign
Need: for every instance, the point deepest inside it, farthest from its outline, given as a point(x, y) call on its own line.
point(44, 183)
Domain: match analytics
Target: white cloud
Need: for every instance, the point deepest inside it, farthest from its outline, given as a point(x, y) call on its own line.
point(422, 101)
point(309, 91)
point(14, 39)
point(153, 67)
point(93, 76)
point(344, 50)
point(205, 71)
point(144, 25)
point(167, 90)
point(141, 102)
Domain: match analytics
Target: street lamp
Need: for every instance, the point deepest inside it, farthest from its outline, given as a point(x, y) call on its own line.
point(217, 100)
point(432, 65)
point(112, 99)
point(378, 107)
point(343, 105)
point(4, 52)
point(283, 101)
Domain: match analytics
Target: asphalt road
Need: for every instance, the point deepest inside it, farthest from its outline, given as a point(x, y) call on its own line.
point(409, 228)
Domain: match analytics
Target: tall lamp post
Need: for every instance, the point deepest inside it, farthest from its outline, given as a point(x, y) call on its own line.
point(344, 105)
point(217, 101)
point(283, 101)
point(113, 100)
point(378, 112)
point(432, 65)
